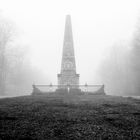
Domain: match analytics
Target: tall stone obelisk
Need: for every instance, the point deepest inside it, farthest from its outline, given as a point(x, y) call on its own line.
point(68, 75)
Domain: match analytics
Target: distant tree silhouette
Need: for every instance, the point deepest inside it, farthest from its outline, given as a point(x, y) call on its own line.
point(135, 59)
point(6, 32)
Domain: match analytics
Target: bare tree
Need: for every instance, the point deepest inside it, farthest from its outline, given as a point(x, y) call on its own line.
point(16, 72)
point(135, 60)
point(5, 38)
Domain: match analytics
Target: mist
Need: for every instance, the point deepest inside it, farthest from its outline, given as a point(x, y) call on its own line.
point(105, 43)
point(17, 74)
point(120, 70)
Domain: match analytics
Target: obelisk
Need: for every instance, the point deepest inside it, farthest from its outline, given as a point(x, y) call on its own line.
point(68, 75)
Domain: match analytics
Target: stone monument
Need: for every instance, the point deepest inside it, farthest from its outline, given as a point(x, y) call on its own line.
point(68, 76)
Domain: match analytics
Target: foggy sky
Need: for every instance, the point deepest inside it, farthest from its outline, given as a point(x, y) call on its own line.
point(97, 26)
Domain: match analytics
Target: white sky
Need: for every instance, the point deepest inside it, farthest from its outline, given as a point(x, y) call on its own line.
point(97, 25)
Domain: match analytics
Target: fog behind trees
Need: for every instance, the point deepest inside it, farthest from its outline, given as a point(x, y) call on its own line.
point(16, 72)
point(120, 71)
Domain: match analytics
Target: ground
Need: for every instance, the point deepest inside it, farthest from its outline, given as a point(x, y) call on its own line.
point(85, 117)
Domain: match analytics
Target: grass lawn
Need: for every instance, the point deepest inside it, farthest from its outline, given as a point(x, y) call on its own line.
point(85, 117)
